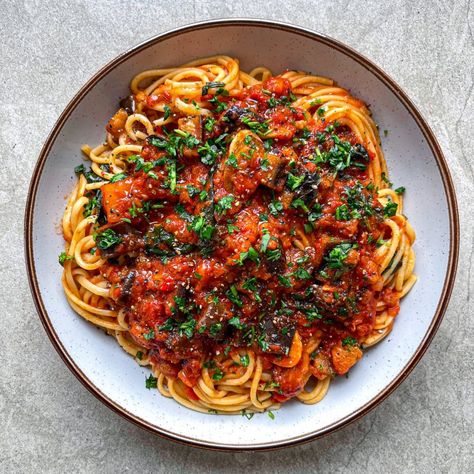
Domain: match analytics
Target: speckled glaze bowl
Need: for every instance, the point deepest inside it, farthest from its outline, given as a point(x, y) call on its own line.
point(414, 160)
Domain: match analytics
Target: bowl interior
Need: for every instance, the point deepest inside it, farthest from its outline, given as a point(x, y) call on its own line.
point(411, 164)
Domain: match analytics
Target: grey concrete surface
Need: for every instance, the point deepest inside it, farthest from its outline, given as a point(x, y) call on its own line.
point(48, 421)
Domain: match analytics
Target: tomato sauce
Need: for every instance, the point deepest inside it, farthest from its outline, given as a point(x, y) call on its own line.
point(257, 229)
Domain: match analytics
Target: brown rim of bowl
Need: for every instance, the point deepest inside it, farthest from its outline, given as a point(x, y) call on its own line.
point(435, 149)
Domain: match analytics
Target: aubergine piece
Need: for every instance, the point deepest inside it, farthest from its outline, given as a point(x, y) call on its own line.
point(323, 298)
point(231, 120)
point(128, 104)
point(308, 190)
point(212, 321)
point(234, 115)
point(126, 285)
point(276, 333)
point(181, 297)
point(181, 345)
point(274, 177)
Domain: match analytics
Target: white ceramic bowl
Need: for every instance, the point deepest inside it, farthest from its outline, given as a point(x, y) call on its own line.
point(414, 160)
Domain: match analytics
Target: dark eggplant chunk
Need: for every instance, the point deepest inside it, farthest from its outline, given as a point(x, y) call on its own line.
point(170, 369)
point(128, 104)
point(340, 308)
point(212, 321)
point(126, 286)
point(234, 114)
point(277, 331)
point(358, 152)
point(179, 344)
point(181, 298)
point(274, 177)
point(232, 119)
point(309, 188)
point(102, 217)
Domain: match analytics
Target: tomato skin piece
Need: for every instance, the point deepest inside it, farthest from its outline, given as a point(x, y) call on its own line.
point(278, 86)
point(190, 372)
point(320, 367)
point(291, 381)
point(116, 124)
point(344, 357)
point(190, 393)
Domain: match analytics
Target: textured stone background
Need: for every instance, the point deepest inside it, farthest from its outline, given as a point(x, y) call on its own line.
point(48, 421)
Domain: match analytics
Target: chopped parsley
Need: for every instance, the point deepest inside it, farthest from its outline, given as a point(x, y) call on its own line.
point(234, 297)
point(285, 281)
point(265, 241)
point(342, 213)
point(231, 228)
point(215, 329)
point(294, 182)
point(209, 124)
point(274, 255)
point(299, 203)
point(167, 112)
point(106, 239)
point(90, 176)
point(349, 341)
point(312, 314)
point(211, 85)
point(338, 255)
point(202, 229)
point(235, 321)
point(263, 343)
point(118, 177)
point(386, 180)
point(275, 207)
point(343, 155)
point(224, 204)
point(193, 191)
point(247, 415)
point(390, 209)
point(151, 382)
point(187, 328)
point(258, 127)
point(232, 161)
point(63, 257)
point(149, 335)
point(250, 254)
point(302, 274)
point(218, 374)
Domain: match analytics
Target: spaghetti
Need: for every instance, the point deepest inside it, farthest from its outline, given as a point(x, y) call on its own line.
point(238, 233)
